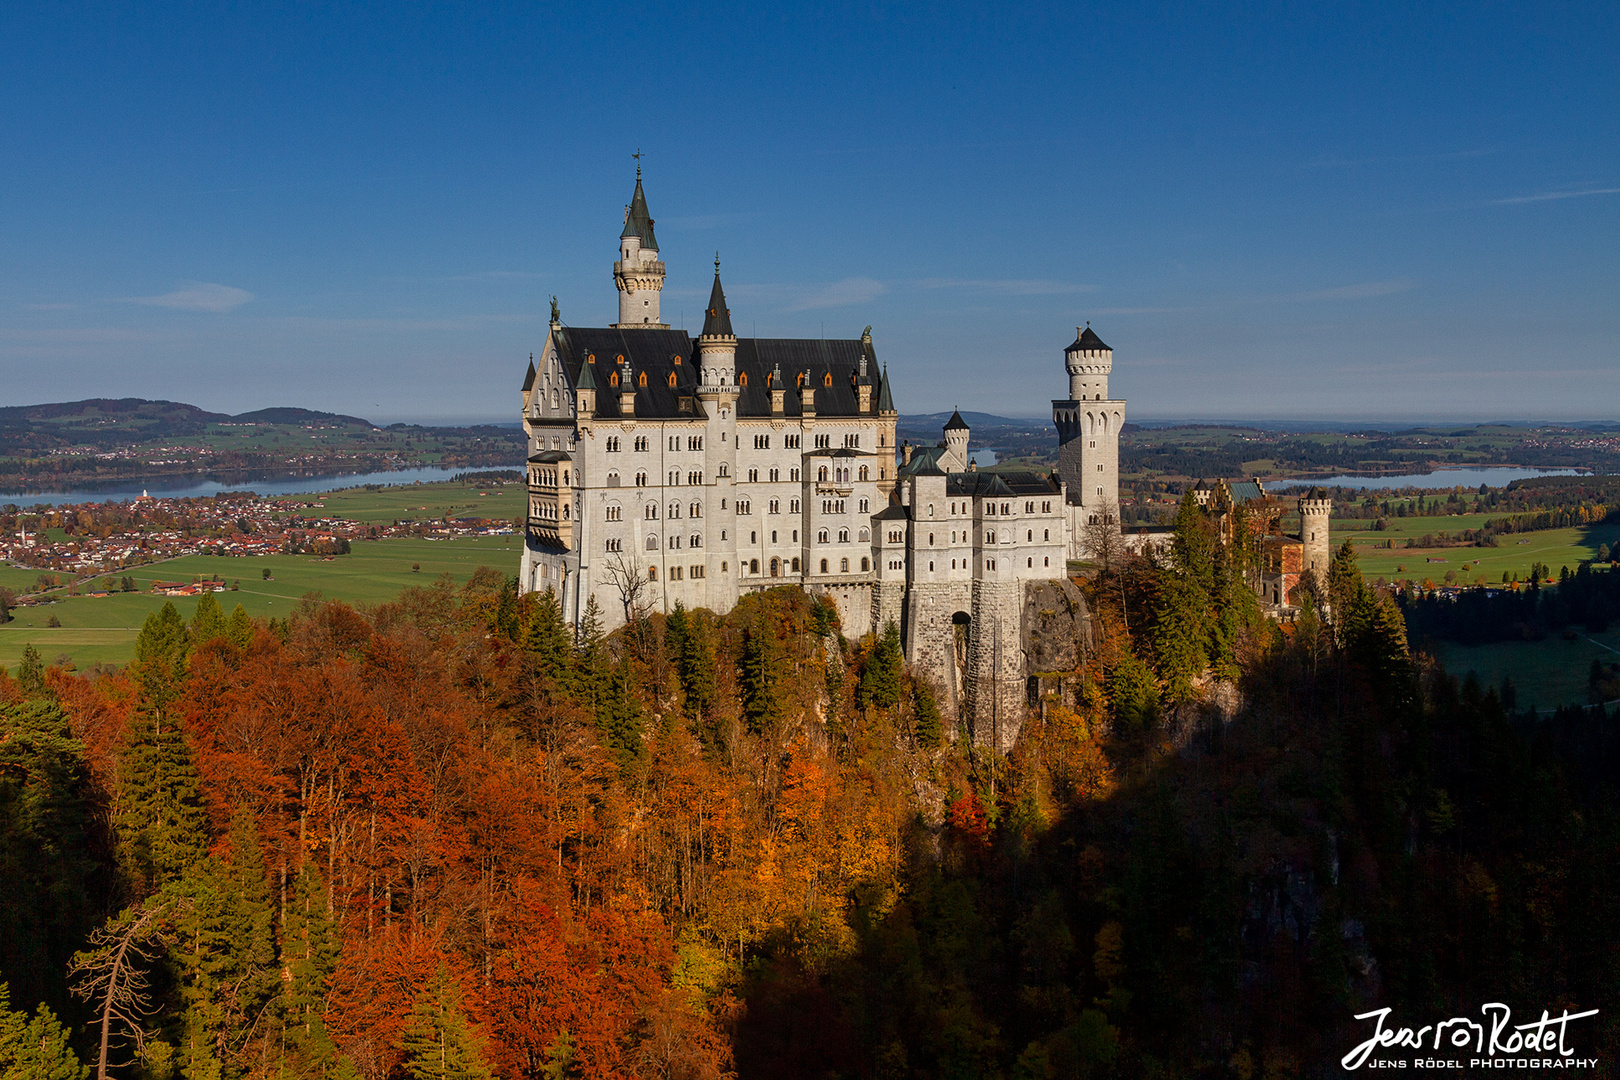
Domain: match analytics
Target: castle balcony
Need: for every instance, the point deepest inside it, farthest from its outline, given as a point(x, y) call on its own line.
point(636, 268)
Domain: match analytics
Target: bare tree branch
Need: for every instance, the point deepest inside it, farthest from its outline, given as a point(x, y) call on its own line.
point(631, 581)
point(111, 972)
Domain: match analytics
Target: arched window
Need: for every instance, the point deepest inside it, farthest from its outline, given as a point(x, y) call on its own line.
point(695, 510)
point(641, 380)
point(776, 568)
point(641, 479)
point(652, 543)
point(866, 564)
point(612, 479)
point(652, 573)
point(795, 566)
point(863, 473)
point(821, 537)
point(742, 378)
point(725, 470)
point(843, 566)
point(676, 359)
point(1046, 534)
point(672, 380)
point(613, 379)
point(865, 535)
point(823, 566)
point(821, 474)
point(697, 540)
point(554, 399)
point(753, 566)
point(826, 380)
point(674, 509)
point(651, 512)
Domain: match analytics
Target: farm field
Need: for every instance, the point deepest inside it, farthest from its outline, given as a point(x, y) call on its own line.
point(103, 629)
point(1516, 552)
point(1545, 674)
point(423, 502)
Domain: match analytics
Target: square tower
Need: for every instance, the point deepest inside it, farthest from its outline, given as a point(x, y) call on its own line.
point(1088, 425)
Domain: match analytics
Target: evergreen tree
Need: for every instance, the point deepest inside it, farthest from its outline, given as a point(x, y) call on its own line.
point(440, 1043)
point(226, 956)
point(239, 628)
point(309, 954)
point(879, 686)
point(208, 621)
point(51, 881)
point(1180, 634)
point(547, 639)
point(562, 1059)
point(618, 715)
point(31, 672)
point(688, 642)
point(1133, 696)
point(160, 656)
point(589, 674)
point(759, 671)
point(35, 1048)
point(158, 815)
point(929, 728)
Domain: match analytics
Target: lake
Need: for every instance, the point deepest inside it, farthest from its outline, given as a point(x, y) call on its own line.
point(1494, 476)
point(181, 487)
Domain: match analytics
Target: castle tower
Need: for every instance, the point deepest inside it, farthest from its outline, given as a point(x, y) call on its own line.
point(639, 274)
point(1088, 426)
point(956, 444)
point(717, 345)
point(1315, 512)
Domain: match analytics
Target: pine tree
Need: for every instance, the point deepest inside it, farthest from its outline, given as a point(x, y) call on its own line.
point(160, 656)
point(929, 728)
point(589, 672)
point(309, 955)
point(562, 1059)
point(879, 686)
point(226, 955)
point(1133, 696)
point(618, 716)
point(547, 638)
point(695, 666)
point(208, 621)
point(31, 672)
point(759, 671)
point(440, 1043)
point(35, 1048)
point(239, 628)
point(158, 816)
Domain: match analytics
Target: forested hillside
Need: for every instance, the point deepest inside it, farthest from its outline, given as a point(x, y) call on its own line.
point(441, 838)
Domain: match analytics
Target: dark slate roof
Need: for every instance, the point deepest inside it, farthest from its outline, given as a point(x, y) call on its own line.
point(717, 319)
point(528, 380)
point(1244, 490)
point(638, 222)
point(924, 462)
point(885, 398)
point(956, 423)
point(892, 512)
point(655, 353)
point(550, 457)
point(999, 484)
point(1087, 341)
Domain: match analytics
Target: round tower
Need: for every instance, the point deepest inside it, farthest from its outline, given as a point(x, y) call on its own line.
point(1315, 511)
point(956, 442)
point(639, 274)
point(1089, 363)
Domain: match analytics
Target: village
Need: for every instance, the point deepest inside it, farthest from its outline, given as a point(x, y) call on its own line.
point(73, 543)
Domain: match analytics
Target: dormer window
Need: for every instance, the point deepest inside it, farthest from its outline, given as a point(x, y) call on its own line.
point(642, 379)
point(613, 379)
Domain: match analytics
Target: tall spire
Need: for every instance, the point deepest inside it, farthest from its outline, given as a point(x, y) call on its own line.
point(637, 221)
point(717, 318)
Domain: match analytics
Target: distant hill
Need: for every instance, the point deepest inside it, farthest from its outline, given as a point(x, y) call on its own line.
point(108, 422)
point(974, 419)
point(298, 416)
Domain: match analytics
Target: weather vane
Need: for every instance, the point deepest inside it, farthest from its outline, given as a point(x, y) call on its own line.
point(637, 156)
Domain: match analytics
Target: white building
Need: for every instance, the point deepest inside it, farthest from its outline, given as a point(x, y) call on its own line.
point(669, 469)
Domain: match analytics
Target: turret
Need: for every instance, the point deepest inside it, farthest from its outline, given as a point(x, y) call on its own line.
point(627, 390)
point(1089, 362)
point(778, 389)
point(956, 443)
point(1315, 512)
point(807, 394)
point(585, 391)
point(639, 274)
point(717, 345)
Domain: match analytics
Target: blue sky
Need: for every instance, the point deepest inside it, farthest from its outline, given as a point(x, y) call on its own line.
point(1268, 211)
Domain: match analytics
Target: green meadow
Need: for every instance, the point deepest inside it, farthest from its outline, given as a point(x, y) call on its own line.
point(1516, 552)
point(1545, 674)
point(102, 629)
point(421, 502)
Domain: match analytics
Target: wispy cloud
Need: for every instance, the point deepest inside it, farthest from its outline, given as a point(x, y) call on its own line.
point(855, 290)
point(1008, 286)
point(1550, 196)
point(198, 296)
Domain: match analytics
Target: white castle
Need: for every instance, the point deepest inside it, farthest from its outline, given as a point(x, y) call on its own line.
point(665, 469)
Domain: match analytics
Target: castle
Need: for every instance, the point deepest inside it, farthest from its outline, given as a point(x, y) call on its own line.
point(665, 469)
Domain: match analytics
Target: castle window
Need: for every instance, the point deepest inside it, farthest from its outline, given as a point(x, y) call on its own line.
point(843, 566)
point(865, 536)
point(823, 566)
point(1046, 562)
point(725, 567)
point(1029, 563)
point(1005, 509)
point(695, 510)
point(613, 379)
point(773, 536)
point(775, 507)
point(694, 478)
point(1029, 508)
point(1046, 507)
point(930, 509)
point(613, 512)
point(615, 544)
point(821, 475)
point(826, 380)
point(652, 573)
point(866, 506)
point(674, 543)
point(776, 568)
point(651, 513)
point(821, 537)
point(1099, 491)
point(843, 536)
point(641, 479)
point(613, 444)
point(674, 573)
point(742, 506)
point(795, 566)
point(676, 359)
point(753, 566)
point(793, 506)
point(725, 470)
point(652, 543)
point(866, 564)
point(864, 472)
point(753, 476)
point(776, 474)
point(612, 479)
point(1046, 534)
point(1029, 535)
point(742, 378)
point(674, 477)
point(642, 379)
point(675, 510)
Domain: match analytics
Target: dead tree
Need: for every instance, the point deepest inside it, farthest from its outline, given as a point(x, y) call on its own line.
point(631, 581)
point(112, 971)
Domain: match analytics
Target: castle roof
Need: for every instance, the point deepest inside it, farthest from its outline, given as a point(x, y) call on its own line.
point(956, 423)
point(832, 367)
point(717, 319)
point(999, 484)
point(638, 222)
point(1086, 340)
point(892, 512)
point(1244, 490)
point(885, 398)
point(528, 380)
